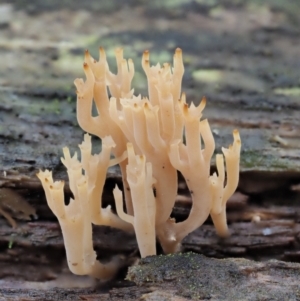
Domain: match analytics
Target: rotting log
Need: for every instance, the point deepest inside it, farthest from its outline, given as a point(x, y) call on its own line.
point(182, 277)
point(244, 57)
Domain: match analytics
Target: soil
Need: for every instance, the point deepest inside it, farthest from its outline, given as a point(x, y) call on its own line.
point(242, 55)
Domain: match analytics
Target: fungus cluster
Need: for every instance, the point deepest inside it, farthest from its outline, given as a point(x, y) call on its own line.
point(151, 138)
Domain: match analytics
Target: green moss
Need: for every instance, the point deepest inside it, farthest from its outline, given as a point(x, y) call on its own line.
point(196, 277)
point(261, 160)
point(290, 91)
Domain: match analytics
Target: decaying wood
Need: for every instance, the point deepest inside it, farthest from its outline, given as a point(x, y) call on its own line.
point(183, 277)
point(196, 277)
point(244, 56)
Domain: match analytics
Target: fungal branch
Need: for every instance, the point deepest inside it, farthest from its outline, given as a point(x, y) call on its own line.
point(221, 194)
point(151, 138)
point(85, 208)
point(139, 176)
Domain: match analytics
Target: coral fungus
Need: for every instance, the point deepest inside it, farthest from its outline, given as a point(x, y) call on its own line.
point(146, 137)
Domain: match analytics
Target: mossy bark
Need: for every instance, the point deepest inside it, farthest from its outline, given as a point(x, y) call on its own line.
point(243, 56)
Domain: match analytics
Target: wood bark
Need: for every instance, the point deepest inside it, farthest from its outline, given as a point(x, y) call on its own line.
point(243, 56)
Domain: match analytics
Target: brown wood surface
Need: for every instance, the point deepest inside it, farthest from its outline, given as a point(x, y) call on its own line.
point(243, 55)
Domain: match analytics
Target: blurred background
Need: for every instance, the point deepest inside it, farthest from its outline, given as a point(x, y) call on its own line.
point(243, 45)
point(242, 55)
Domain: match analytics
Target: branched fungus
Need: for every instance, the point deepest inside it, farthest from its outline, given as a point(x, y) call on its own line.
point(146, 137)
